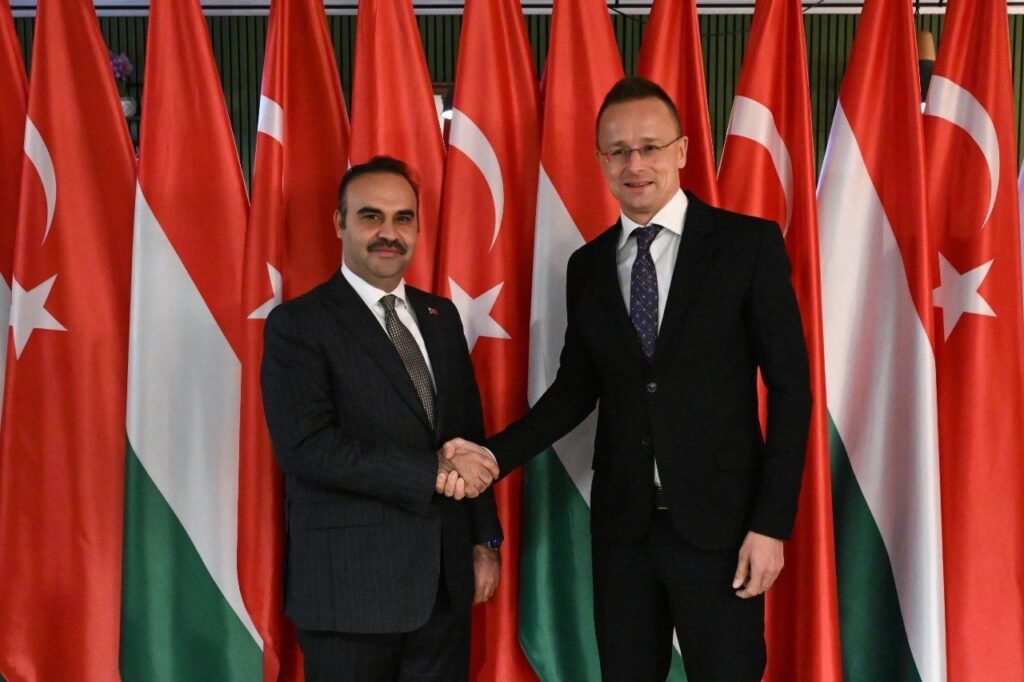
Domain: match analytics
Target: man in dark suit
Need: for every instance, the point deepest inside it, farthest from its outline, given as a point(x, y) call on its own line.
point(363, 379)
point(671, 312)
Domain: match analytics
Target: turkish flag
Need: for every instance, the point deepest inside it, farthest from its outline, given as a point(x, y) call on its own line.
point(12, 142)
point(671, 57)
point(290, 246)
point(974, 226)
point(485, 259)
point(393, 113)
point(62, 442)
point(768, 171)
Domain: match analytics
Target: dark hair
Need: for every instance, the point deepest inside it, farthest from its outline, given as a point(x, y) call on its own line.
point(632, 89)
point(378, 164)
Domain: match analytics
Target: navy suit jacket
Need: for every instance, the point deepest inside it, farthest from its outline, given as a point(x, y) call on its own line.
point(730, 310)
point(367, 535)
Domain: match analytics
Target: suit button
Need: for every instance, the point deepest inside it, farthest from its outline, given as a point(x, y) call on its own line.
point(652, 387)
point(645, 442)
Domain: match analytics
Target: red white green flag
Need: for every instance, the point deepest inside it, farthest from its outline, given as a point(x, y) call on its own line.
point(62, 442)
point(183, 616)
point(290, 246)
point(879, 360)
point(975, 238)
point(485, 258)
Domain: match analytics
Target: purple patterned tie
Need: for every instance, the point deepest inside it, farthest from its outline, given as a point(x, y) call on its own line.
point(643, 290)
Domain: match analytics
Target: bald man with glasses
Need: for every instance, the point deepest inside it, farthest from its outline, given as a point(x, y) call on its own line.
point(671, 313)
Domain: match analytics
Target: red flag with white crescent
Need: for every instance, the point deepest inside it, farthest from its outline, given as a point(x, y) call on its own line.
point(671, 57)
point(974, 226)
point(484, 267)
point(62, 443)
point(290, 246)
point(768, 170)
point(393, 113)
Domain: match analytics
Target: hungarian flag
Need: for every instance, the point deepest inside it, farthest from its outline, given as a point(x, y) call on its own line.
point(12, 138)
point(670, 55)
point(974, 226)
point(290, 246)
point(393, 113)
point(768, 171)
point(879, 360)
point(556, 617)
point(484, 267)
point(183, 616)
point(62, 443)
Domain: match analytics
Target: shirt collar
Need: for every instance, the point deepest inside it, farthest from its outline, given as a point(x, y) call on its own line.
point(670, 217)
point(370, 294)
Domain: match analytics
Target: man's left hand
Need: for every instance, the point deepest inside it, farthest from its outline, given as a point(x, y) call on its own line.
point(760, 563)
point(486, 571)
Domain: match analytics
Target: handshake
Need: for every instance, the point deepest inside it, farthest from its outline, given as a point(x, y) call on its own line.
point(464, 469)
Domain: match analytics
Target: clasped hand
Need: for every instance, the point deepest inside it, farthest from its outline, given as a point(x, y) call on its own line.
point(464, 469)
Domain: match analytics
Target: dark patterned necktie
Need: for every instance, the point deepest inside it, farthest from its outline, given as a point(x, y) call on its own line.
point(411, 355)
point(643, 290)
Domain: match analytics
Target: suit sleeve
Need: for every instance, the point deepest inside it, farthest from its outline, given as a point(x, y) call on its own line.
point(483, 509)
point(570, 398)
point(778, 343)
point(311, 445)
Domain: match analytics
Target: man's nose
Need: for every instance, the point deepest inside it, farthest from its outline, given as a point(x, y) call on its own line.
point(633, 159)
point(388, 229)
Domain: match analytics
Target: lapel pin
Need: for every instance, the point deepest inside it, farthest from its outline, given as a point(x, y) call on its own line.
point(432, 311)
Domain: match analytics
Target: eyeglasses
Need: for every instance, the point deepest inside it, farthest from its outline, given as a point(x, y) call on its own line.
point(647, 152)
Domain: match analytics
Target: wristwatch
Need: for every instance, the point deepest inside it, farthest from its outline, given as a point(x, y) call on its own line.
point(494, 543)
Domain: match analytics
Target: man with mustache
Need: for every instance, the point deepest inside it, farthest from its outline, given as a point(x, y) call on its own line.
point(363, 379)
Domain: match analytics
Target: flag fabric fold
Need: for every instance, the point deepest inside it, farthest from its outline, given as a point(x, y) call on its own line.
point(393, 113)
point(556, 619)
point(62, 442)
point(484, 265)
point(975, 236)
point(670, 55)
point(183, 616)
point(290, 246)
point(768, 170)
point(880, 362)
point(12, 138)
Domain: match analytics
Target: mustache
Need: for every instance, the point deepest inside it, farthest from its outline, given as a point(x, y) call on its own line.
point(393, 244)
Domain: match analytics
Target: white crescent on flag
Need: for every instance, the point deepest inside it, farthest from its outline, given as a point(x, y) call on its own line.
point(467, 137)
point(39, 155)
point(755, 121)
point(949, 101)
point(271, 119)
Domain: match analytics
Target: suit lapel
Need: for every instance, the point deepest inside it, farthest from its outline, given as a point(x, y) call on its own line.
point(610, 292)
point(362, 325)
point(696, 248)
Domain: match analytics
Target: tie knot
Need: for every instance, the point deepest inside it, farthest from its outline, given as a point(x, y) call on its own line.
point(645, 236)
point(388, 302)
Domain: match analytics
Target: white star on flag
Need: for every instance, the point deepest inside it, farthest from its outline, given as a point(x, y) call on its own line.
point(476, 313)
point(957, 293)
point(28, 313)
point(276, 281)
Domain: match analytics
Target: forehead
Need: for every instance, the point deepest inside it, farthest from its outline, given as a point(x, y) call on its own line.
point(380, 190)
point(643, 119)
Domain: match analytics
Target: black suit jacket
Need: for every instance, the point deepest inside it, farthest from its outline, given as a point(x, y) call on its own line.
point(730, 310)
point(367, 535)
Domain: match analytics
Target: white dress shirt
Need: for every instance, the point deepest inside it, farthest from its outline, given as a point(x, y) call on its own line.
point(664, 250)
point(371, 296)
